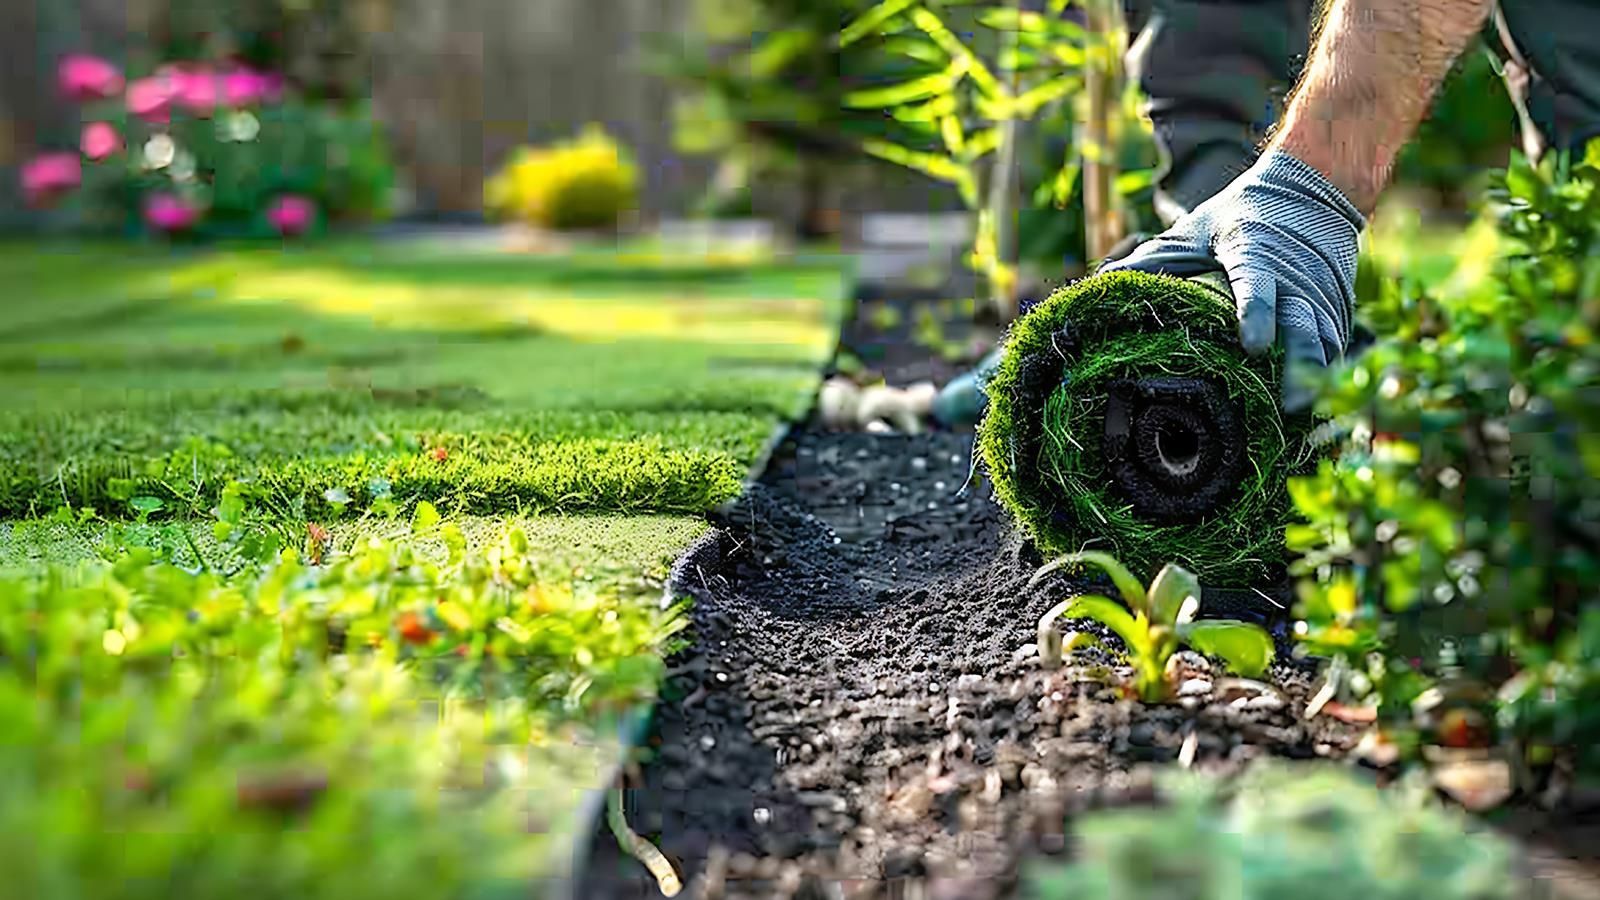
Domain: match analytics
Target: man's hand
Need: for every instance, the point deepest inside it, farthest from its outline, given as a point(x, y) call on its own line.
point(1285, 231)
point(1287, 240)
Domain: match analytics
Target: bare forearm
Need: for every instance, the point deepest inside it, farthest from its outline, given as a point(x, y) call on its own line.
point(1371, 76)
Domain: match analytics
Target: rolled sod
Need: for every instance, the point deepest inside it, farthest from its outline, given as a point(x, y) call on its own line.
point(1125, 417)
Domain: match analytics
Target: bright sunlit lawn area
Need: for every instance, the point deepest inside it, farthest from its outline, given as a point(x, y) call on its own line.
point(369, 537)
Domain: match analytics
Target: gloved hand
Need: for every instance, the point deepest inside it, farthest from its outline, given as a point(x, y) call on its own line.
point(1287, 240)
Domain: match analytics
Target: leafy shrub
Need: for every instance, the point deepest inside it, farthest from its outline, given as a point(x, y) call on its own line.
point(586, 183)
point(214, 150)
point(1285, 831)
point(1455, 536)
point(355, 729)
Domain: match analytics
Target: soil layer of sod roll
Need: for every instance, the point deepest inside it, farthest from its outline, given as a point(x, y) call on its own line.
point(1125, 417)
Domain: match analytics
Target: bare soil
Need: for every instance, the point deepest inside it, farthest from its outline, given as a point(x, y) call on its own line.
point(861, 713)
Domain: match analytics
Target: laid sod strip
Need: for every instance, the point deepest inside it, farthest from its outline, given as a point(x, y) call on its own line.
point(1124, 417)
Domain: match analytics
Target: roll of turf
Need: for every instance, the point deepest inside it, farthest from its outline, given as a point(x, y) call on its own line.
point(1124, 416)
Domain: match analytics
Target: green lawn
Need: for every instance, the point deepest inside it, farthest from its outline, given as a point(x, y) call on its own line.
point(259, 508)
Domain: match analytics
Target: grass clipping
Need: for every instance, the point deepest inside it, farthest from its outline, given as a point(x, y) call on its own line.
point(1046, 444)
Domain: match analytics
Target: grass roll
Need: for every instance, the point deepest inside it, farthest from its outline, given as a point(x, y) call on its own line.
point(1125, 417)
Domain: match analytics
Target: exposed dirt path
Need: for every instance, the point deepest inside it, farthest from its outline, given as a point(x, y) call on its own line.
point(861, 705)
point(860, 714)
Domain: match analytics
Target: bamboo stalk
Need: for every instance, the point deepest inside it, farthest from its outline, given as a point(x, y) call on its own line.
point(1104, 223)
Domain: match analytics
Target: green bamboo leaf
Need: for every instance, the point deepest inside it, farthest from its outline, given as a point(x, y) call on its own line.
point(1245, 648)
point(918, 48)
point(935, 28)
point(779, 49)
point(903, 93)
point(1127, 585)
point(955, 139)
point(1028, 22)
point(1032, 99)
point(1135, 181)
point(1013, 20)
point(930, 164)
point(874, 20)
point(1064, 184)
point(926, 113)
point(1068, 55)
point(980, 143)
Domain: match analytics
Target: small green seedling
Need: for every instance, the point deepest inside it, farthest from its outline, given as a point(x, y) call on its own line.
point(1161, 620)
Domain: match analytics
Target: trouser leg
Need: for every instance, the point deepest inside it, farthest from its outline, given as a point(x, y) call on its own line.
point(1216, 73)
point(1552, 51)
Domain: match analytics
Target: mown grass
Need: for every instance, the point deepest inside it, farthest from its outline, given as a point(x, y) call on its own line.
point(240, 654)
point(643, 388)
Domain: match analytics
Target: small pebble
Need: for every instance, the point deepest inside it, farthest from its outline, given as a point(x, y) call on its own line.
point(939, 486)
point(1194, 687)
point(933, 688)
point(933, 504)
point(1025, 651)
point(763, 815)
point(919, 463)
point(707, 742)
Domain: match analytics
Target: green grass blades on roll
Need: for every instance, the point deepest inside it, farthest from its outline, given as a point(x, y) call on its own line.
point(1125, 417)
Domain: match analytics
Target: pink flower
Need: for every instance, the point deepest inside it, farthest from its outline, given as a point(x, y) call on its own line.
point(99, 141)
point(292, 215)
point(170, 213)
point(246, 87)
point(151, 99)
point(199, 89)
point(85, 78)
point(47, 177)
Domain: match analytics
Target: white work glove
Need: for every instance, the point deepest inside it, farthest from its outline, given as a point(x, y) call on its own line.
point(1287, 240)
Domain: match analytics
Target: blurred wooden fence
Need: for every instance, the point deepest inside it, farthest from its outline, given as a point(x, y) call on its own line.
point(458, 83)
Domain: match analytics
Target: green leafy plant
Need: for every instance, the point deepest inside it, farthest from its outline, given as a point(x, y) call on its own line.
point(1280, 830)
point(214, 149)
point(1453, 539)
point(583, 184)
point(764, 88)
point(1155, 623)
point(975, 76)
point(302, 730)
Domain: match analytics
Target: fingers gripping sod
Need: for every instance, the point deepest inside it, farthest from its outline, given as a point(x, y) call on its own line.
point(1287, 240)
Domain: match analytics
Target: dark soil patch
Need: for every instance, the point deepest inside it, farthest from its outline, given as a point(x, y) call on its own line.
point(860, 714)
point(861, 705)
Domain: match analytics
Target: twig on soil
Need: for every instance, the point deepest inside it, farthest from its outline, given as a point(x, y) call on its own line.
point(640, 849)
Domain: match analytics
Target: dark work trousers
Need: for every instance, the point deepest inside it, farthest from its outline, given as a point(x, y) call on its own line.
point(1217, 72)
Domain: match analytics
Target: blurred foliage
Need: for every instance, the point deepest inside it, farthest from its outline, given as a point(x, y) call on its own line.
point(324, 46)
point(588, 183)
point(366, 725)
point(1280, 830)
point(1456, 536)
point(233, 164)
point(765, 83)
point(1050, 223)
